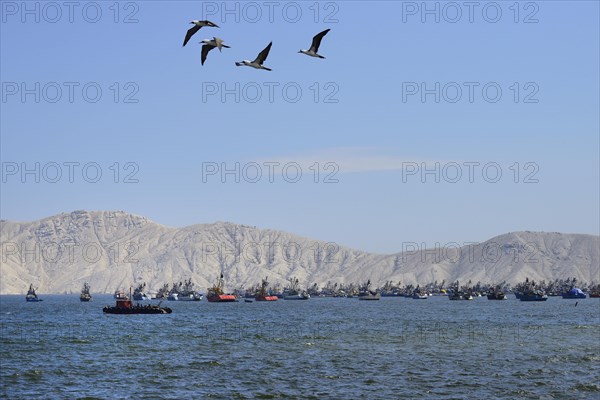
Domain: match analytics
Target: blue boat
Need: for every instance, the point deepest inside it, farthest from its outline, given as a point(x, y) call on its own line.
point(534, 295)
point(31, 295)
point(574, 293)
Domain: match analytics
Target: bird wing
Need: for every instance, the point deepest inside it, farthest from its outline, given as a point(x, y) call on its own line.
point(262, 56)
point(317, 40)
point(205, 49)
point(190, 33)
point(208, 23)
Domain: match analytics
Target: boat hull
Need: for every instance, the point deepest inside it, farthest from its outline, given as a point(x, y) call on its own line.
point(369, 296)
point(221, 298)
point(137, 310)
point(525, 297)
point(266, 298)
point(573, 296)
point(296, 297)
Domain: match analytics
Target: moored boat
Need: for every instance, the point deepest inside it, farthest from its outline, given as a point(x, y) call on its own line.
point(366, 293)
point(263, 292)
point(217, 295)
point(529, 291)
point(458, 294)
point(534, 296)
point(294, 293)
point(184, 291)
point(139, 294)
point(496, 294)
point(419, 295)
point(574, 293)
point(31, 296)
point(85, 295)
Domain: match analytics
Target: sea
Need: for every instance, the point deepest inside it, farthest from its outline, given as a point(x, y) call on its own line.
point(322, 348)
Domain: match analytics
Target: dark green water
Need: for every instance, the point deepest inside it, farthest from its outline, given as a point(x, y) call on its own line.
point(320, 348)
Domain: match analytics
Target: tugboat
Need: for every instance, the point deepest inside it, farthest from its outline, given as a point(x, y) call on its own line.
point(85, 293)
point(216, 295)
point(293, 293)
point(496, 294)
point(125, 306)
point(574, 293)
point(263, 293)
point(367, 294)
point(31, 296)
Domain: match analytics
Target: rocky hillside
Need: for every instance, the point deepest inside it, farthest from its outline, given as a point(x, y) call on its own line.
point(113, 250)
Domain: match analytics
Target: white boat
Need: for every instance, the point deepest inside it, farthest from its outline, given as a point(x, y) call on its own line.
point(367, 294)
point(294, 293)
point(297, 296)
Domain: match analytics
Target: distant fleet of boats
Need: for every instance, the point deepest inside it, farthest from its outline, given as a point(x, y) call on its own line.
point(185, 291)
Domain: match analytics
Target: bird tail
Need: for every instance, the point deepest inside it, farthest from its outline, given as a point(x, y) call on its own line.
point(268, 69)
point(239, 64)
point(320, 56)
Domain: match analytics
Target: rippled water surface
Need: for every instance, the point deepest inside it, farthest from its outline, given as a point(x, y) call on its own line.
point(320, 348)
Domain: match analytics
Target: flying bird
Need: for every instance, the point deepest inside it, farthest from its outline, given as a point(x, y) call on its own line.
point(196, 28)
point(314, 47)
point(258, 62)
point(211, 44)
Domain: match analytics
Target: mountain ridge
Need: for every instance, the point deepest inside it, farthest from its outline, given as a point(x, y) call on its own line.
point(115, 249)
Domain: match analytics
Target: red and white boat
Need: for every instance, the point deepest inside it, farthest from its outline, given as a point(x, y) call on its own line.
point(263, 292)
point(216, 294)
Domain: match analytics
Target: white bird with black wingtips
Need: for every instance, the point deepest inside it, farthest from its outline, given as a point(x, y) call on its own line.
point(196, 28)
point(316, 42)
point(210, 44)
point(258, 62)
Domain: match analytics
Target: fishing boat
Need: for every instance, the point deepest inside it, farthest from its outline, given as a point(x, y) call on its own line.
point(458, 294)
point(534, 295)
point(126, 306)
point(139, 294)
point(31, 295)
point(529, 291)
point(85, 293)
point(574, 293)
point(419, 295)
point(217, 295)
point(496, 294)
point(294, 293)
point(184, 291)
point(366, 293)
point(263, 293)
point(162, 293)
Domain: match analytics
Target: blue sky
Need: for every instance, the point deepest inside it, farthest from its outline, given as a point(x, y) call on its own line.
point(358, 115)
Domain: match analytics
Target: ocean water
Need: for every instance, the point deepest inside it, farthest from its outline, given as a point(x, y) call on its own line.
point(320, 348)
